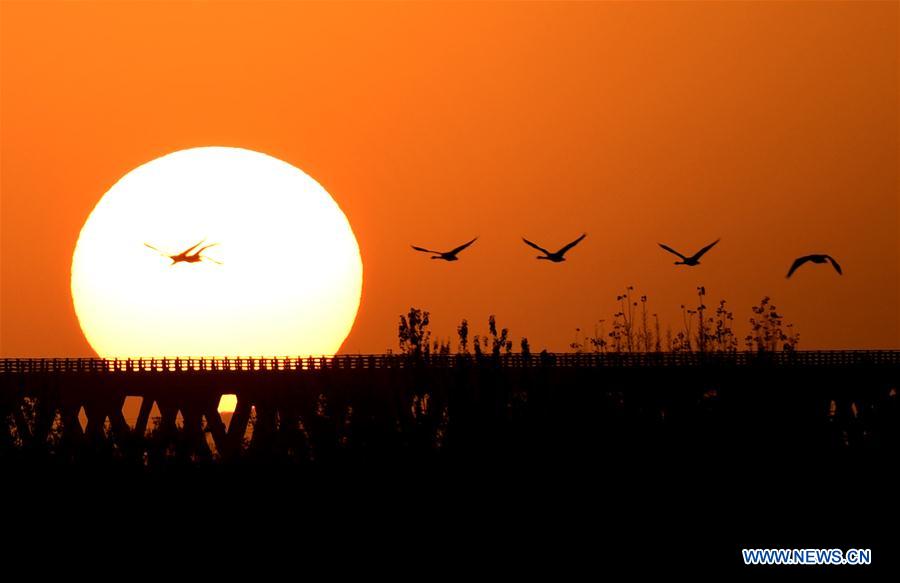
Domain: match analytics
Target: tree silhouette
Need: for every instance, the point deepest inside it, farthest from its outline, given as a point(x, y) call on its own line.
point(463, 331)
point(414, 334)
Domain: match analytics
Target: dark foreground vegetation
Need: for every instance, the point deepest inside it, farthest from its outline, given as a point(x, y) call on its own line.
point(586, 459)
point(628, 391)
point(616, 450)
point(451, 409)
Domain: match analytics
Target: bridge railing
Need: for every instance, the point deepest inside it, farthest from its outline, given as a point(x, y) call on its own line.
point(818, 358)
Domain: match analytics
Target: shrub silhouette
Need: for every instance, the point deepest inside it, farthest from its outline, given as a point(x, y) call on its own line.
point(702, 332)
point(769, 332)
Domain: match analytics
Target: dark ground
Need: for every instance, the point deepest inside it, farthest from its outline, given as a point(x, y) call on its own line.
point(542, 474)
point(553, 520)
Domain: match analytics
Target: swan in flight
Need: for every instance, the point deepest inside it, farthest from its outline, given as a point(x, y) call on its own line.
point(445, 255)
point(693, 259)
point(558, 255)
point(189, 255)
point(815, 259)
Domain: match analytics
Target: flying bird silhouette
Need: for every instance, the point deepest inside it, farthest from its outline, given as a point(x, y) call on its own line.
point(445, 255)
point(815, 259)
point(693, 259)
point(189, 255)
point(557, 256)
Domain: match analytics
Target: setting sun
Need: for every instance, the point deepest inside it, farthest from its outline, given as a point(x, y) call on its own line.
point(272, 266)
point(627, 264)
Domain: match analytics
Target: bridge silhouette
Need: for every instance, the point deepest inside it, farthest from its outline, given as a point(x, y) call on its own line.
point(360, 406)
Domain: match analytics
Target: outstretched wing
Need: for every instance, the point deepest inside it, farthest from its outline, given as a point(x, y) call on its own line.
point(204, 248)
point(797, 263)
point(155, 249)
point(200, 251)
point(705, 249)
point(572, 244)
point(422, 249)
point(835, 264)
point(192, 247)
point(538, 247)
point(670, 250)
point(461, 247)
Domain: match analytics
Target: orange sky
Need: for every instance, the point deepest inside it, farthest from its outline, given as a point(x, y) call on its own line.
point(772, 125)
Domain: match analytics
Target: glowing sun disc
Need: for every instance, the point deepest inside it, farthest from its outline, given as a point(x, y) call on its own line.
point(284, 277)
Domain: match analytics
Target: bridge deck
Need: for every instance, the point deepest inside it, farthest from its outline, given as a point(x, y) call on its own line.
point(817, 358)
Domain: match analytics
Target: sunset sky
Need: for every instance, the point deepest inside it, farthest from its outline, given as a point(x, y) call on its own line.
point(771, 125)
